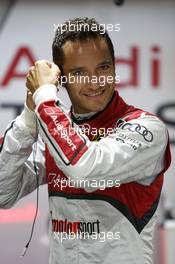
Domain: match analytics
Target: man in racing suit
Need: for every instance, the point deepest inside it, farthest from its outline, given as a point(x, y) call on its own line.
point(103, 162)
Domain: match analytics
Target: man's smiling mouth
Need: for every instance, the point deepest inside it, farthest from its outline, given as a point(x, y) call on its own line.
point(93, 94)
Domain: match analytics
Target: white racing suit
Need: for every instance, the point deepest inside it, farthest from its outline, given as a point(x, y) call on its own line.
point(104, 177)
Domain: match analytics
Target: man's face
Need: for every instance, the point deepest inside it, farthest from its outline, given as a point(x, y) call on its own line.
point(89, 69)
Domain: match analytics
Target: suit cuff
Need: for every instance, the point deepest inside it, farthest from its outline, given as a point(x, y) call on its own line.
point(27, 121)
point(45, 93)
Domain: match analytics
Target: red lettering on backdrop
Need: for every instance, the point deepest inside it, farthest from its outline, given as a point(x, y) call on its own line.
point(155, 67)
point(1, 140)
point(133, 64)
point(22, 53)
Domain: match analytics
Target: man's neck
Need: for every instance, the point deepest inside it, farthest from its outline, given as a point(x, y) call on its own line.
point(83, 116)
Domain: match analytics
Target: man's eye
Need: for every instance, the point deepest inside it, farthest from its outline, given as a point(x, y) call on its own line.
point(105, 67)
point(78, 73)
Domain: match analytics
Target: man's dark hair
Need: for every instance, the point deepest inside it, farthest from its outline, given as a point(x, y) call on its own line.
point(83, 29)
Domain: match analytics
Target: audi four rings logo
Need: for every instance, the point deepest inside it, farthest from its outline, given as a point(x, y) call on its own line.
point(142, 130)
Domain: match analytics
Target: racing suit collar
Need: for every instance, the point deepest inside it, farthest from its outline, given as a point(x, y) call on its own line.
point(83, 117)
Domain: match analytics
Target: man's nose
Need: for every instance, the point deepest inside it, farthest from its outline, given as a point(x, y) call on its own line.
point(94, 83)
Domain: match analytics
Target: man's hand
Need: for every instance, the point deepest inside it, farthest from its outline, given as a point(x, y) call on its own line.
point(43, 72)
